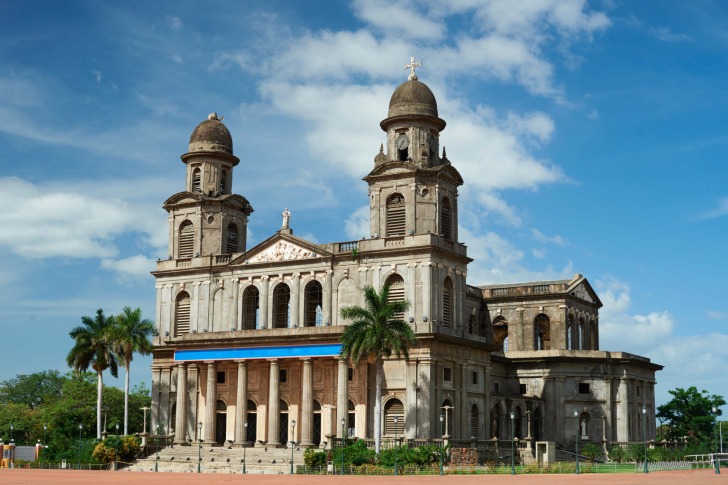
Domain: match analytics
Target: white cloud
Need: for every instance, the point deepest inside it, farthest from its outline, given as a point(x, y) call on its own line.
point(173, 22)
point(357, 225)
point(97, 75)
point(543, 238)
point(50, 223)
point(132, 268)
point(719, 211)
point(666, 35)
point(616, 321)
point(399, 18)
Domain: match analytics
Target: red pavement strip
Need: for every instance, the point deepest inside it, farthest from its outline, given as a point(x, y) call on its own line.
point(75, 477)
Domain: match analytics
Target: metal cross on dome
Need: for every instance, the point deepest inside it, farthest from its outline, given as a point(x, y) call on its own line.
point(411, 66)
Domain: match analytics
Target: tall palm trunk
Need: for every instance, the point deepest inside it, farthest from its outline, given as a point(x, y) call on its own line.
point(127, 364)
point(378, 406)
point(99, 400)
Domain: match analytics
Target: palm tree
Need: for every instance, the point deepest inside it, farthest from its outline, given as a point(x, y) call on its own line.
point(130, 335)
point(375, 333)
point(93, 348)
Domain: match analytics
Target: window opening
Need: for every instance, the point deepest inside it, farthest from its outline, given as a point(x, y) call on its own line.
point(186, 240)
point(182, 314)
point(232, 238)
point(396, 215)
point(445, 219)
point(251, 311)
point(447, 303)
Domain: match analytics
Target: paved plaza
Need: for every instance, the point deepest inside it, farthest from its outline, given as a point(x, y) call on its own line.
point(73, 477)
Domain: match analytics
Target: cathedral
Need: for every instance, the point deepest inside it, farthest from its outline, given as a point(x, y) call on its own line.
point(248, 346)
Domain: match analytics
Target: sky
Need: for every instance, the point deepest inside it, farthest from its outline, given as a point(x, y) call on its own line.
point(591, 137)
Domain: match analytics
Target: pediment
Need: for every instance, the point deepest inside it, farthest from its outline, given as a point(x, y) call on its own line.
point(582, 290)
point(283, 248)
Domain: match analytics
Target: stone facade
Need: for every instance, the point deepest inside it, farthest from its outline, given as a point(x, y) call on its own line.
point(248, 338)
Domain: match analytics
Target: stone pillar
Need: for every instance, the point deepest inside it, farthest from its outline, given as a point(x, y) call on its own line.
point(296, 320)
point(608, 401)
point(241, 405)
point(180, 425)
point(208, 430)
point(193, 386)
point(236, 307)
point(156, 381)
point(560, 412)
point(307, 403)
point(622, 411)
point(411, 417)
point(165, 388)
point(427, 292)
point(263, 310)
point(376, 283)
point(342, 401)
point(411, 289)
point(274, 404)
point(327, 296)
point(488, 389)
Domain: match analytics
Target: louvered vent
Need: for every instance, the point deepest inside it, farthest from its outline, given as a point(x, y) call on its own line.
point(395, 215)
point(182, 322)
point(186, 240)
point(232, 238)
point(474, 421)
point(446, 220)
point(196, 181)
point(447, 304)
point(394, 408)
point(396, 292)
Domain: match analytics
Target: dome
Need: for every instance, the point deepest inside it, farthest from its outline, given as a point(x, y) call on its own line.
point(412, 98)
point(211, 136)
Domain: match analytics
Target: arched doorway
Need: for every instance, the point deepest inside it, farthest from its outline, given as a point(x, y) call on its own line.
point(351, 419)
point(283, 423)
point(252, 420)
point(537, 425)
point(221, 422)
point(316, 435)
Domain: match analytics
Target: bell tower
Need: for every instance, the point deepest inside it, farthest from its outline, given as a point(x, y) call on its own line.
point(412, 189)
point(206, 219)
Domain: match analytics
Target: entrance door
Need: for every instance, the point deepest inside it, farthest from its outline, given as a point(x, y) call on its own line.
point(316, 438)
point(221, 428)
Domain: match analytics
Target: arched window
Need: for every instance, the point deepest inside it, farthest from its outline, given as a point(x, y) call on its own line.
point(197, 180)
point(281, 306)
point(472, 325)
point(541, 332)
point(474, 421)
point(570, 333)
point(500, 332)
point(447, 295)
point(517, 422)
point(446, 413)
point(446, 219)
point(252, 420)
point(223, 182)
point(312, 304)
point(395, 215)
point(351, 419)
point(580, 336)
point(182, 314)
point(402, 145)
point(396, 292)
point(394, 408)
point(251, 308)
point(186, 240)
point(232, 238)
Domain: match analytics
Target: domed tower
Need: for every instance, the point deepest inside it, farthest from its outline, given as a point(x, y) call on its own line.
point(206, 219)
point(413, 190)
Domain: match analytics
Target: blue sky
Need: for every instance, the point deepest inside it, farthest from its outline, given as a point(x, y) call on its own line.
point(591, 136)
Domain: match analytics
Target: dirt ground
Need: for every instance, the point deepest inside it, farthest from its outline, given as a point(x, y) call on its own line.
point(74, 477)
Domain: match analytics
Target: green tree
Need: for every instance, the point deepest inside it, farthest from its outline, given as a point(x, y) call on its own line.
point(376, 333)
point(94, 348)
point(32, 390)
point(689, 414)
point(130, 335)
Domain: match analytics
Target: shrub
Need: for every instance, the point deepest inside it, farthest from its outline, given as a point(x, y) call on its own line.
point(106, 450)
point(313, 458)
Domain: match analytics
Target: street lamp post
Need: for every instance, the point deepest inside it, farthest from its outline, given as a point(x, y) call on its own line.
point(245, 445)
point(156, 452)
point(717, 458)
point(11, 433)
point(576, 418)
point(644, 418)
point(42, 463)
point(342, 444)
point(513, 447)
point(199, 447)
point(442, 445)
point(293, 441)
point(395, 445)
point(80, 428)
point(116, 450)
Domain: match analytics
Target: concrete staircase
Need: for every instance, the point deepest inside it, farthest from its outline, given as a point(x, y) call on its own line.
point(222, 459)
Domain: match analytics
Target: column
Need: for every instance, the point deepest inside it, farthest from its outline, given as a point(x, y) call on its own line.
point(237, 323)
point(296, 320)
point(342, 402)
point(427, 292)
point(327, 296)
point(622, 412)
point(165, 388)
point(156, 378)
point(208, 428)
point(180, 425)
point(274, 405)
point(241, 404)
point(410, 422)
point(193, 385)
point(561, 412)
point(307, 403)
point(263, 303)
point(488, 389)
point(411, 290)
point(608, 397)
